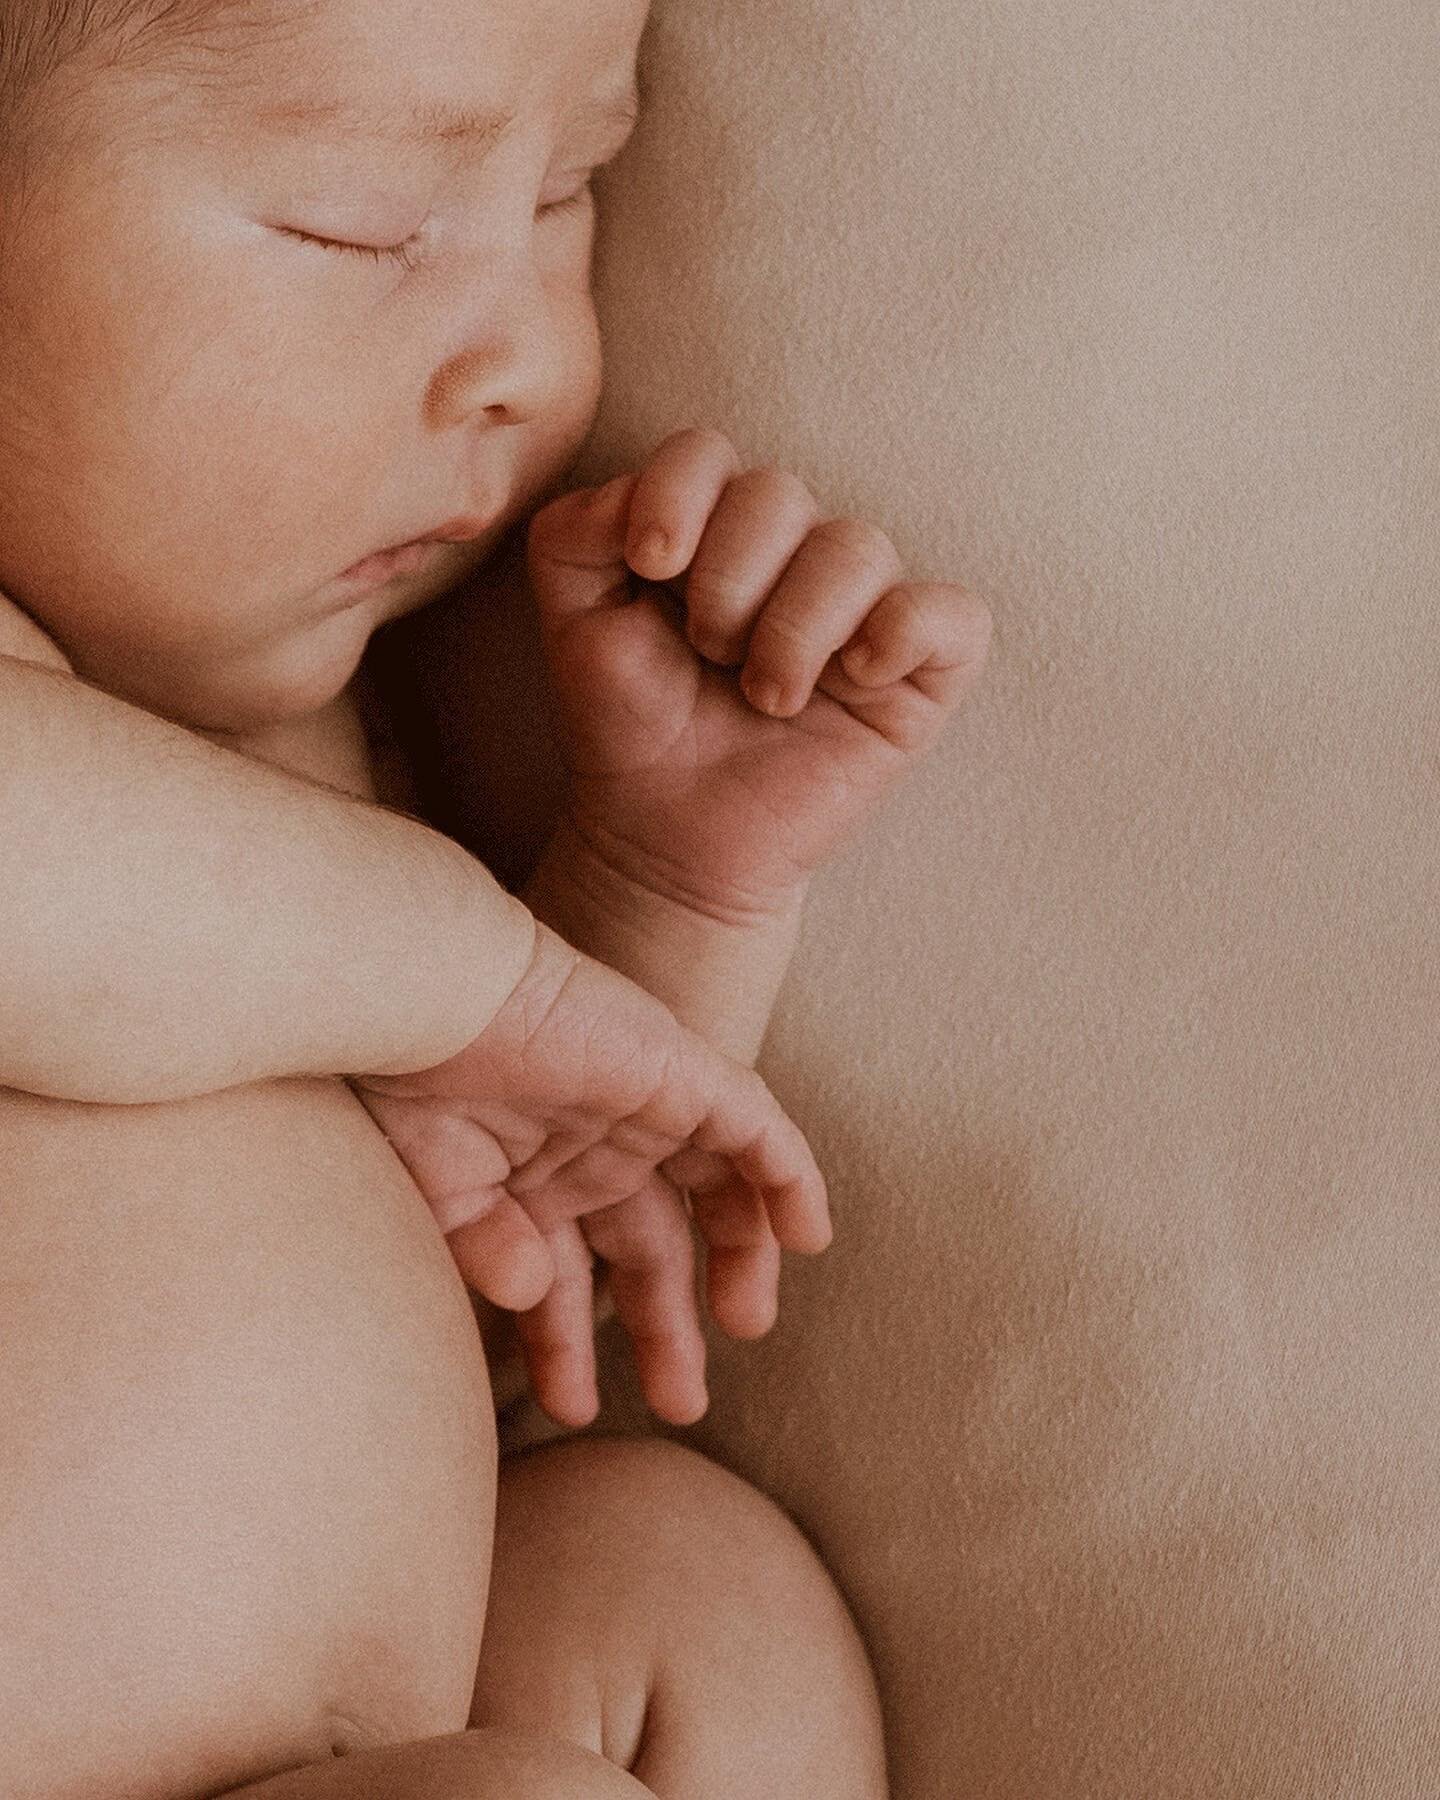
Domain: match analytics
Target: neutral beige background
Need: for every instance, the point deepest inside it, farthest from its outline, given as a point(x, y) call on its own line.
point(1116, 1405)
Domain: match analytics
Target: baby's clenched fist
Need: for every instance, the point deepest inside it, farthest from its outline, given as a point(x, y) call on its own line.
point(722, 791)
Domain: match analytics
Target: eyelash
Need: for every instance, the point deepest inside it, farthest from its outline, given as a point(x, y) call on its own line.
point(404, 254)
point(571, 202)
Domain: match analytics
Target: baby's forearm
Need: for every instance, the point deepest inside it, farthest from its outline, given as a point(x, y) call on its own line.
point(177, 918)
point(720, 980)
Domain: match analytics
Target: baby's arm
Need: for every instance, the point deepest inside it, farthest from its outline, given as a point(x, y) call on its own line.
point(722, 980)
point(178, 918)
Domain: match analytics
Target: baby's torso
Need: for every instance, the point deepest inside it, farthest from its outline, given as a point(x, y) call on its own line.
point(245, 1429)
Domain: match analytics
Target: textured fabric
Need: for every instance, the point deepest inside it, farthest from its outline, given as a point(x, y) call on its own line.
point(1116, 1404)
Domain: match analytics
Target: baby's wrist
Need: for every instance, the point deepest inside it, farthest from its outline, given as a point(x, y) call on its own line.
point(576, 866)
point(720, 977)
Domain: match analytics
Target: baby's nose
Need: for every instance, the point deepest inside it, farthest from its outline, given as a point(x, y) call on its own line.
point(505, 366)
point(487, 380)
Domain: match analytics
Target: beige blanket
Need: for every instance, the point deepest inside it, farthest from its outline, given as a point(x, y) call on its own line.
point(1115, 1406)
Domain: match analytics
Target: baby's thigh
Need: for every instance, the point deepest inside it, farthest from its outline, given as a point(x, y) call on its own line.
point(651, 1607)
point(247, 1448)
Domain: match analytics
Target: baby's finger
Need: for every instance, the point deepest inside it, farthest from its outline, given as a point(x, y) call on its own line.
point(758, 524)
point(558, 1335)
point(460, 1170)
point(674, 496)
point(742, 1277)
point(575, 551)
point(934, 633)
point(600, 1175)
point(705, 1100)
point(830, 586)
point(503, 1256)
point(647, 1244)
point(778, 1163)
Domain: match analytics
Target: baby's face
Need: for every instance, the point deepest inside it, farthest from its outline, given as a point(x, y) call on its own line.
point(272, 312)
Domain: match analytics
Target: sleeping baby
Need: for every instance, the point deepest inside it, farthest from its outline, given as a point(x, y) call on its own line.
point(298, 326)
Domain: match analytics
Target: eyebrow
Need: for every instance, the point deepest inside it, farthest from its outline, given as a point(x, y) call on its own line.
point(438, 122)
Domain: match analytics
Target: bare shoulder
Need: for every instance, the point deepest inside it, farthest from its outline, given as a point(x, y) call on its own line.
point(23, 639)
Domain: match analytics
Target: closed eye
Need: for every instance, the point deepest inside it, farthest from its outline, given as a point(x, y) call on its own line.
point(571, 202)
point(403, 253)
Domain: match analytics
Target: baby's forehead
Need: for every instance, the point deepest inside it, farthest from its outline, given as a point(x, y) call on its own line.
point(319, 61)
point(422, 79)
point(225, 28)
point(222, 42)
point(410, 89)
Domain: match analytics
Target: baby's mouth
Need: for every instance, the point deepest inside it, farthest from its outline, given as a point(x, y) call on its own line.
point(386, 565)
point(382, 566)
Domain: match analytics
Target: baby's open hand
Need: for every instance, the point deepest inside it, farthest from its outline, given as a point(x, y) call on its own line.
point(724, 791)
point(585, 1097)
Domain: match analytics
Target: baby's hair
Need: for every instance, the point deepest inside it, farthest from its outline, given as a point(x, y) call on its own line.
point(40, 37)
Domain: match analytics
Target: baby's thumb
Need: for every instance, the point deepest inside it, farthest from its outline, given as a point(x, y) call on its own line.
point(575, 549)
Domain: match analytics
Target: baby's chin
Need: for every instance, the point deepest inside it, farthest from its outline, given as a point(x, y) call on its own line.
point(289, 679)
point(295, 672)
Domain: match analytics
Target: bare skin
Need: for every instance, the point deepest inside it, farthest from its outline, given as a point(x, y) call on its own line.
point(738, 679)
point(625, 1640)
point(262, 1244)
point(349, 1691)
point(249, 1448)
point(368, 236)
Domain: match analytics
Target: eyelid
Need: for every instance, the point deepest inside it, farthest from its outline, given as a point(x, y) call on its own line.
point(576, 197)
point(402, 253)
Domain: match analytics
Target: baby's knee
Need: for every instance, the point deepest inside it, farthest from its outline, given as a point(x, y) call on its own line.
point(721, 1637)
point(687, 1541)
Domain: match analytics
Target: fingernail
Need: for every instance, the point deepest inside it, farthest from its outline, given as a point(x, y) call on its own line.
point(652, 549)
point(764, 696)
point(858, 657)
